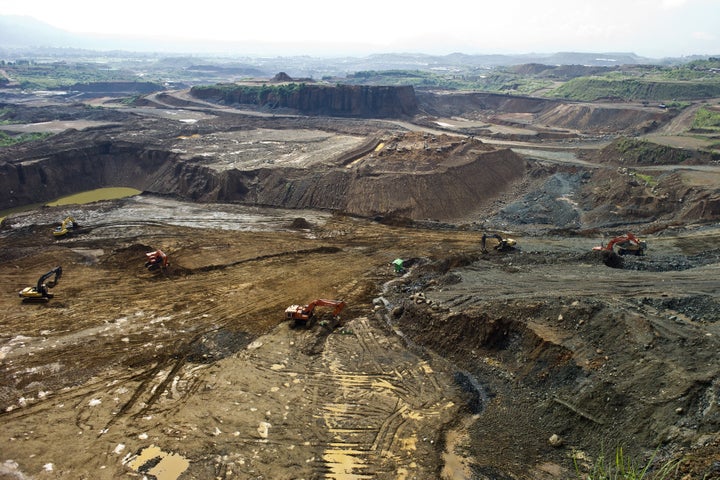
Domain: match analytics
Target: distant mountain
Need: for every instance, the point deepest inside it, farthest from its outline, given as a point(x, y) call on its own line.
point(19, 32)
point(26, 36)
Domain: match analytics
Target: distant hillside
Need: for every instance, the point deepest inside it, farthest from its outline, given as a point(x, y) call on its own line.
point(26, 33)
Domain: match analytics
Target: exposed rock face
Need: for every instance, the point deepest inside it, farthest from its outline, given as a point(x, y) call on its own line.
point(102, 165)
point(460, 189)
point(373, 189)
point(463, 103)
point(342, 100)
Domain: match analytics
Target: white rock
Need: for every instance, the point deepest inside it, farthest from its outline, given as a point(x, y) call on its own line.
point(263, 429)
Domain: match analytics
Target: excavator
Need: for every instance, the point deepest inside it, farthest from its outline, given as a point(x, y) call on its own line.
point(304, 314)
point(65, 227)
point(156, 260)
point(627, 244)
point(503, 245)
point(40, 292)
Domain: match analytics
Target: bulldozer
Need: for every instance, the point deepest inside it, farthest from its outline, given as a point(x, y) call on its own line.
point(156, 260)
point(40, 293)
point(303, 315)
point(503, 244)
point(65, 227)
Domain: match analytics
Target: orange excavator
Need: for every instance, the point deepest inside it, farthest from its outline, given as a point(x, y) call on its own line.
point(156, 260)
point(627, 244)
point(304, 314)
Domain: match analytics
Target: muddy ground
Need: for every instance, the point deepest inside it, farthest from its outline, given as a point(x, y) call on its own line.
point(466, 365)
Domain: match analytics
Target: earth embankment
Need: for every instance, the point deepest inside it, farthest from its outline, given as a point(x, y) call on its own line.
point(453, 177)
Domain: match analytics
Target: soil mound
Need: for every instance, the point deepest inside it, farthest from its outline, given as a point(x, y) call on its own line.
point(300, 224)
point(634, 152)
point(603, 118)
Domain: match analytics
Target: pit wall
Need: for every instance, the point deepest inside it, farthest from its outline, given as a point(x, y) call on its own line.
point(440, 194)
point(341, 100)
point(104, 165)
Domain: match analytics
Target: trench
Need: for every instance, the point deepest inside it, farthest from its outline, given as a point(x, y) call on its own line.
point(455, 465)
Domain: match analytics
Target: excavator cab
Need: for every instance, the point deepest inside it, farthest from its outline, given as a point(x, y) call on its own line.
point(65, 227)
point(503, 244)
point(627, 244)
point(40, 293)
point(156, 260)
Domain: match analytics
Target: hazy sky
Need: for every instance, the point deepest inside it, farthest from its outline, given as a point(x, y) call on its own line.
point(654, 28)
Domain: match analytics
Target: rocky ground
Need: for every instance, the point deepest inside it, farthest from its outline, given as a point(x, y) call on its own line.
point(492, 365)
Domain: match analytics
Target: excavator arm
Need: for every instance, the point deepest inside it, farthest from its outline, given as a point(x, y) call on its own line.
point(627, 244)
point(503, 244)
point(302, 314)
point(40, 291)
point(68, 224)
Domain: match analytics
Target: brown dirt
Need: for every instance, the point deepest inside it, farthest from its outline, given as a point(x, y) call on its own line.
point(463, 367)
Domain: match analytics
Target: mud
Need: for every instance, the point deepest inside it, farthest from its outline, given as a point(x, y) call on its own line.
point(466, 365)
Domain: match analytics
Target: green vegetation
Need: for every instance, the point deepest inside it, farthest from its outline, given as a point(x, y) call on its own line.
point(691, 81)
point(624, 467)
point(649, 180)
point(496, 80)
point(8, 140)
point(596, 88)
point(40, 76)
point(643, 152)
point(249, 94)
point(706, 119)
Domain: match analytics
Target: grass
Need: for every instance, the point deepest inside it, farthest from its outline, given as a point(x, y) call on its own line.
point(648, 179)
point(626, 88)
point(706, 119)
point(624, 467)
point(8, 140)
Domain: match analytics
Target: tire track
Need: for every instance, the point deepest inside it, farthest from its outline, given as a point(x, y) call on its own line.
point(371, 415)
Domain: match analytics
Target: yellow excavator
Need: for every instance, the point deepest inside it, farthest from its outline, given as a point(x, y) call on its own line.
point(65, 227)
point(503, 244)
point(40, 293)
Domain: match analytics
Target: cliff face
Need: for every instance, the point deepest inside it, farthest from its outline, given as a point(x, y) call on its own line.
point(104, 164)
point(342, 100)
point(441, 193)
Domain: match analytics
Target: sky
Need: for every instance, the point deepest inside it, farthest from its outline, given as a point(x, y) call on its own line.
point(651, 28)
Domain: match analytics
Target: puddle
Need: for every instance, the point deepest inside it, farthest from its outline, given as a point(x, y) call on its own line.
point(89, 196)
point(161, 465)
point(110, 193)
point(455, 465)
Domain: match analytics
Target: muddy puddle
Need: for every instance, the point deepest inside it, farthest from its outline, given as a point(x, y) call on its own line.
point(81, 198)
